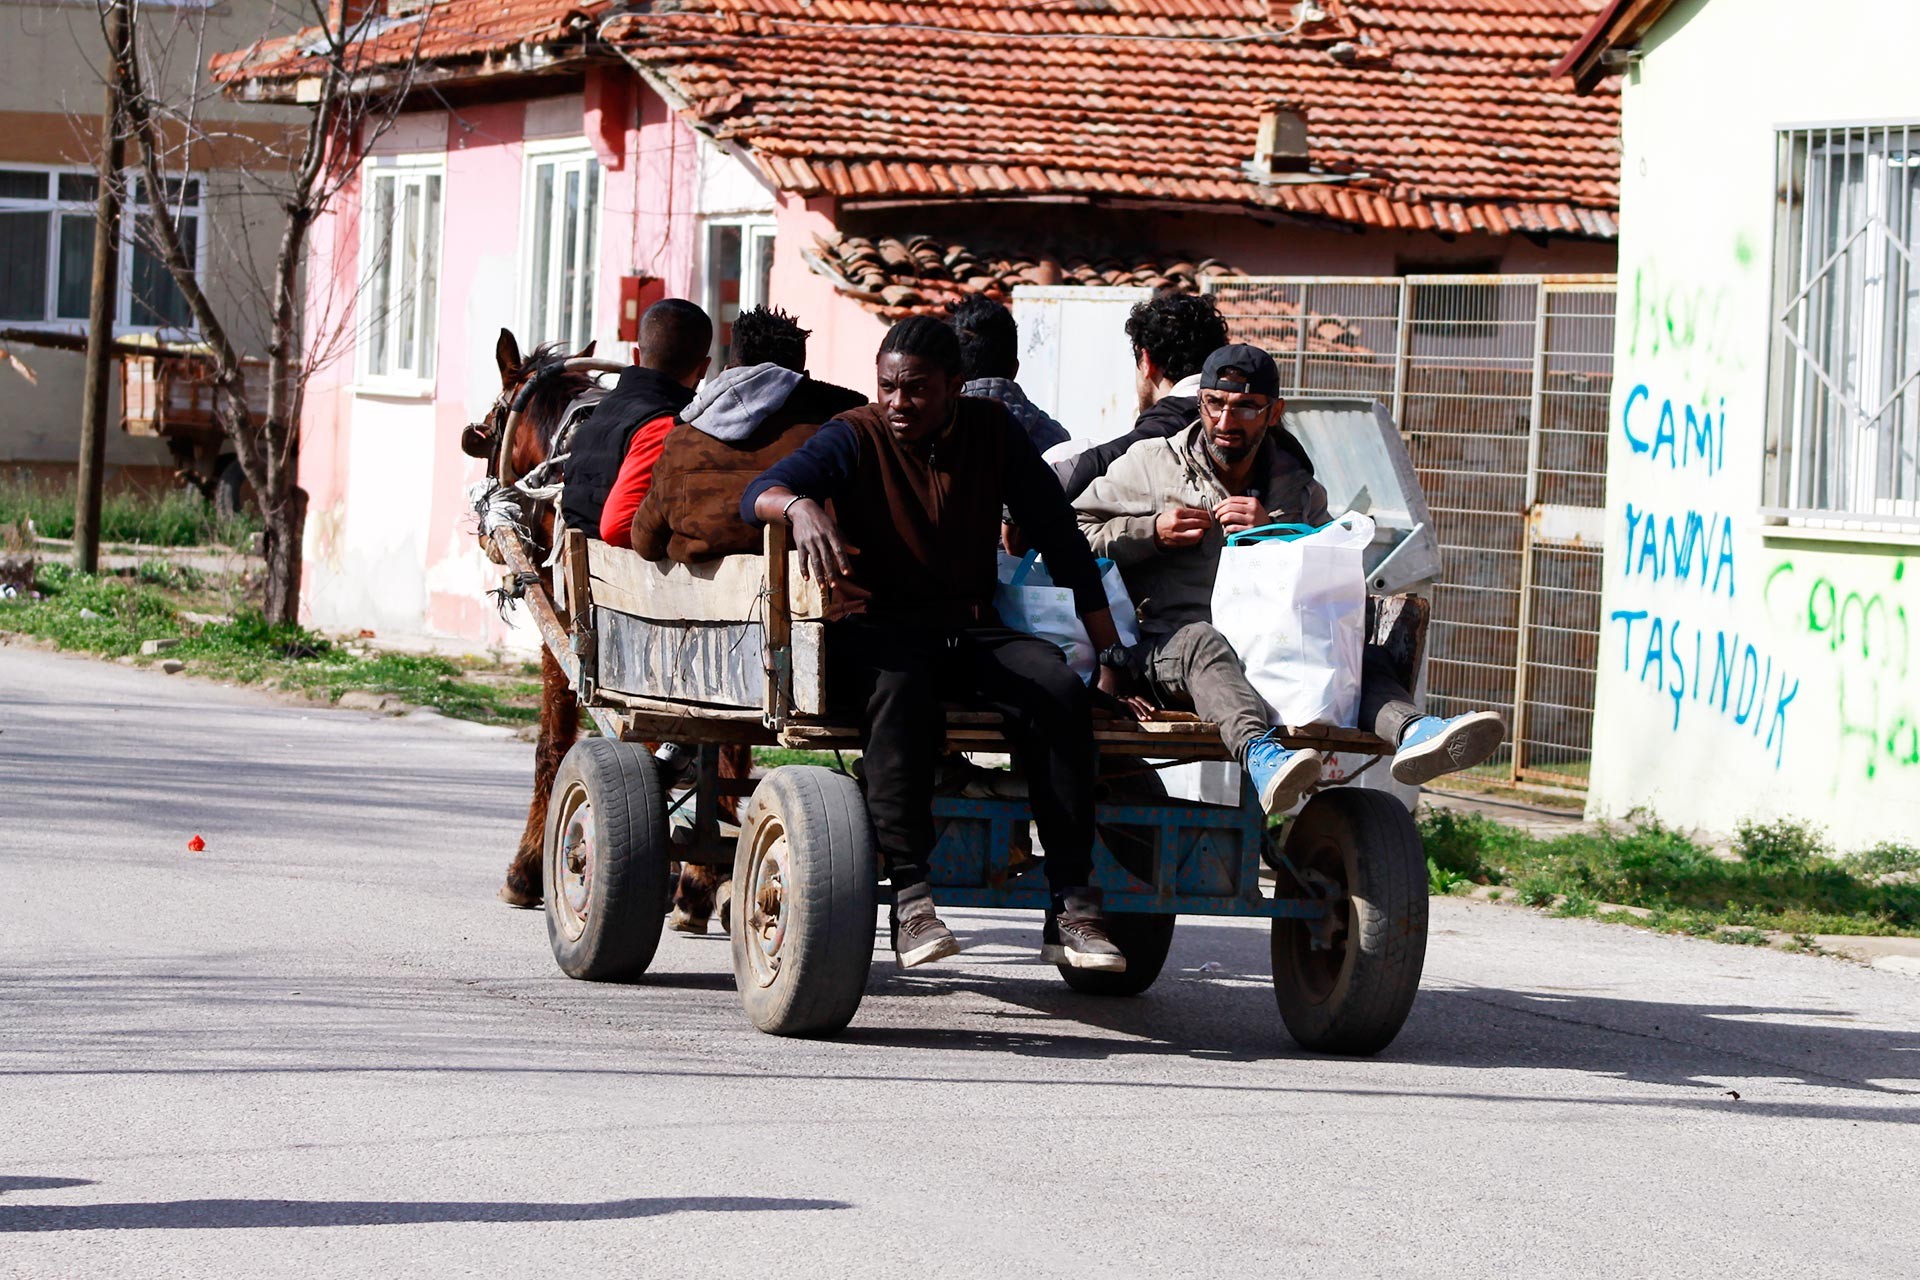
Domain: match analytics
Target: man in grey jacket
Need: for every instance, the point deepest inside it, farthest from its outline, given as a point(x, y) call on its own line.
point(1162, 513)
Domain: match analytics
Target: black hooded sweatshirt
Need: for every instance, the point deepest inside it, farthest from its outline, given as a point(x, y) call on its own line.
point(600, 443)
point(1164, 417)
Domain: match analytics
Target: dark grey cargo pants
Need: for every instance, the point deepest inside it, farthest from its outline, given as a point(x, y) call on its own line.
point(1195, 669)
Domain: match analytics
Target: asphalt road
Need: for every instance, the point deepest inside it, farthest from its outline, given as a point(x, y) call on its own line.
point(320, 1047)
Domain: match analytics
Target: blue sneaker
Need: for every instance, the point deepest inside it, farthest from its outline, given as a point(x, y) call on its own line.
point(1279, 776)
point(1432, 746)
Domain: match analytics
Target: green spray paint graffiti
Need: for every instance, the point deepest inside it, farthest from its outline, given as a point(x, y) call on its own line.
point(1685, 324)
point(1866, 631)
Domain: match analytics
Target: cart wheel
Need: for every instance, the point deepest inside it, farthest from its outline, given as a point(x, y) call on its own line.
point(231, 494)
point(1144, 939)
point(605, 863)
point(803, 902)
point(1352, 995)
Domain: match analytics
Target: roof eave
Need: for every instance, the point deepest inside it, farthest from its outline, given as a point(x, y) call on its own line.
point(1621, 23)
point(540, 59)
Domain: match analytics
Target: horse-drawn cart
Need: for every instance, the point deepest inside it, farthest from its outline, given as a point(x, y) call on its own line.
point(733, 652)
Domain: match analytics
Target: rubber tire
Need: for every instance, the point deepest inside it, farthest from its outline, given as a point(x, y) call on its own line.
point(827, 905)
point(230, 490)
point(627, 894)
point(1144, 938)
point(1371, 839)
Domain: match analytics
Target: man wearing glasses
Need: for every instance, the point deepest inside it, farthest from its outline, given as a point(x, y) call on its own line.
point(1162, 513)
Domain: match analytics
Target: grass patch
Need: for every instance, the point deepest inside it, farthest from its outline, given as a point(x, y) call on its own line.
point(1886, 858)
point(774, 757)
point(113, 614)
point(1787, 879)
point(158, 518)
point(1442, 881)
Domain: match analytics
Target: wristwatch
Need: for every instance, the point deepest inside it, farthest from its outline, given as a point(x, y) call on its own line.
point(1116, 656)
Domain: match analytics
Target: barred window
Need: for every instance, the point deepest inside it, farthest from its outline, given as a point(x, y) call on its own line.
point(1844, 413)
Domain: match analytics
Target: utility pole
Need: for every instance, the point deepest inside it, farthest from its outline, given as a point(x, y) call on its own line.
point(106, 279)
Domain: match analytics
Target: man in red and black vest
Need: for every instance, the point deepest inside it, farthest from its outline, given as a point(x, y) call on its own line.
point(613, 452)
point(917, 484)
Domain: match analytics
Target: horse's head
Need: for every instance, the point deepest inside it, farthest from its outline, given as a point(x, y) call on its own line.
point(535, 390)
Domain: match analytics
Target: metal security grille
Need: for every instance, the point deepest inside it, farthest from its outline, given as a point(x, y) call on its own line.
point(1500, 385)
point(1845, 403)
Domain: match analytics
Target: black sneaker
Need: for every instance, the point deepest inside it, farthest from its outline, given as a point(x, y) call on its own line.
point(1076, 936)
point(918, 936)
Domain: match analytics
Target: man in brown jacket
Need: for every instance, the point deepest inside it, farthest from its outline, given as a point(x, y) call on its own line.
point(758, 410)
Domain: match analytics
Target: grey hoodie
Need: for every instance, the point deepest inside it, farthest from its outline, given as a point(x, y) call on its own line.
point(735, 401)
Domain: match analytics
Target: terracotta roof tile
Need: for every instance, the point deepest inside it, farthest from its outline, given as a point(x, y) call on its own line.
point(1424, 111)
point(448, 31)
point(922, 275)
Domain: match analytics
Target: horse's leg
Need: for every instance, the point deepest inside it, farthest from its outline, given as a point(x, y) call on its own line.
point(701, 888)
point(559, 726)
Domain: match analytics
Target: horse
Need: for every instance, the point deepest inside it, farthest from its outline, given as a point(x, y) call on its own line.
point(516, 437)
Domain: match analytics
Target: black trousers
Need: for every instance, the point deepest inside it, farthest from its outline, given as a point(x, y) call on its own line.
point(898, 677)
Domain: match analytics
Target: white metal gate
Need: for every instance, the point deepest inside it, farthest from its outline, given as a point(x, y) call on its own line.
point(1500, 386)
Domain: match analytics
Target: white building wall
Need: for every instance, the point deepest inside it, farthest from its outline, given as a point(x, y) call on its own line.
point(1732, 693)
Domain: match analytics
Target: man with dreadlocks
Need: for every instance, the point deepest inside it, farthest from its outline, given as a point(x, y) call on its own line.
point(917, 483)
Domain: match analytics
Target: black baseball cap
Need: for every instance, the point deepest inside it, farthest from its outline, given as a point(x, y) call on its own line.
point(1240, 367)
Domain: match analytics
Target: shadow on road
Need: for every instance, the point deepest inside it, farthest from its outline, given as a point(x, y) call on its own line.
point(20, 1183)
point(204, 1215)
point(1012, 1009)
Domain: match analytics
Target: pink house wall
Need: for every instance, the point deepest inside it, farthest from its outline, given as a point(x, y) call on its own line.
point(392, 547)
point(845, 334)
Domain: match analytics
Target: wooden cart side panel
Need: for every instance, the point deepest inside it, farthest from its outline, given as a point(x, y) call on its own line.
point(718, 664)
point(724, 590)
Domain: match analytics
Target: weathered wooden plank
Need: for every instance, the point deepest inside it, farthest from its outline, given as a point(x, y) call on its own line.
point(1158, 739)
point(710, 663)
point(809, 650)
point(713, 664)
point(572, 570)
point(726, 590)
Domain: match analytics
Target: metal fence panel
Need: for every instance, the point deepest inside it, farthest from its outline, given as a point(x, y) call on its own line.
point(1500, 386)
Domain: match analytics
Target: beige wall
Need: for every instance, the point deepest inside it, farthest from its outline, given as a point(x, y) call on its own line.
point(50, 97)
point(1779, 677)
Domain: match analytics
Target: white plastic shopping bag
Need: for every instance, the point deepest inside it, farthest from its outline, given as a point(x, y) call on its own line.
point(1027, 600)
point(1293, 605)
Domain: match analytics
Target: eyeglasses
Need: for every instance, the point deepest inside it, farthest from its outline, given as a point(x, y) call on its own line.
point(1217, 408)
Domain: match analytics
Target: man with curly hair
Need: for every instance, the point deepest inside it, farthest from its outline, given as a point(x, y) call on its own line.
point(1172, 333)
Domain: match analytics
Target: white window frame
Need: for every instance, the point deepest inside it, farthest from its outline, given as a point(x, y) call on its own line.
point(56, 209)
point(754, 228)
point(383, 368)
point(571, 155)
point(1838, 437)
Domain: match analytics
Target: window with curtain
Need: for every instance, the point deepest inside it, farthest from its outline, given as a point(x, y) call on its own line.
point(46, 249)
point(400, 223)
point(1845, 405)
point(562, 232)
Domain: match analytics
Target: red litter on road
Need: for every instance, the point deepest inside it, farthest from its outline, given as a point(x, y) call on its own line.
point(196, 845)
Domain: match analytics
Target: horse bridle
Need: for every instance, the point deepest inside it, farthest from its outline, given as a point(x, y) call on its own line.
point(513, 401)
